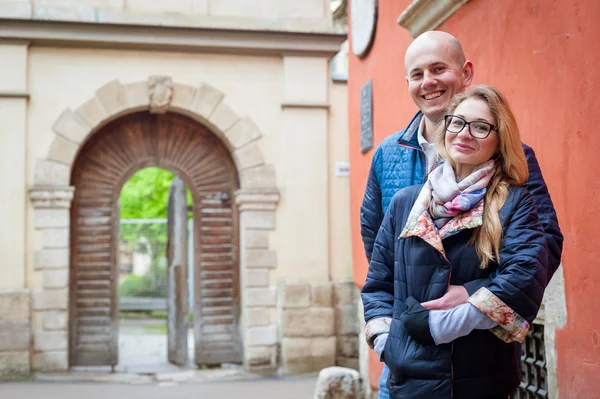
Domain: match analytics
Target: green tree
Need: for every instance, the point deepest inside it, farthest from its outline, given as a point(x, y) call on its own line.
point(145, 196)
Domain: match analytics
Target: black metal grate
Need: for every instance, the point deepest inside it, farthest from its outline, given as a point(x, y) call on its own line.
point(534, 383)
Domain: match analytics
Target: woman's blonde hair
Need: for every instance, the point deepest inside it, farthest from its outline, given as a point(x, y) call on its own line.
point(511, 167)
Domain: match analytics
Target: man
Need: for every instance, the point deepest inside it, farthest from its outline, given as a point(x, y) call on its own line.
point(436, 70)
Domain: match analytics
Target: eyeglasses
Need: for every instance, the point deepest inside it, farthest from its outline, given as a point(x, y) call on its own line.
point(479, 129)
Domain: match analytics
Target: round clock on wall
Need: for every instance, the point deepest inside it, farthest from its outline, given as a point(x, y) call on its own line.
point(363, 19)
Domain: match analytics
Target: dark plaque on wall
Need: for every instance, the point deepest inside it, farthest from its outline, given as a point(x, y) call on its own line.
point(366, 116)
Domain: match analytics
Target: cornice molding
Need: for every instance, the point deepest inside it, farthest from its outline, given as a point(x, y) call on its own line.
point(424, 15)
point(168, 38)
point(51, 197)
point(306, 105)
point(14, 94)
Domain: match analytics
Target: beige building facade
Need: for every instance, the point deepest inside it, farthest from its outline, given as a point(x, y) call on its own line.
point(81, 85)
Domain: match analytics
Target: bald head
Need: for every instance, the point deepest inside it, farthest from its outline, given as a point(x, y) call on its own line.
point(436, 70)
point(434, 41)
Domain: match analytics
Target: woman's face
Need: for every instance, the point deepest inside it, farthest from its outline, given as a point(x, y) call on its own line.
point(466, 151)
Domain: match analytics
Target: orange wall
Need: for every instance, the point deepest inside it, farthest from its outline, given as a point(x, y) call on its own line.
point(545, 57)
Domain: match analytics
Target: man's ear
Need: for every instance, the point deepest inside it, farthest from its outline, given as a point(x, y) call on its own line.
point(468, 72)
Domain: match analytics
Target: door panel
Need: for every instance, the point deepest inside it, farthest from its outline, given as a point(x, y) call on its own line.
point(177, 261)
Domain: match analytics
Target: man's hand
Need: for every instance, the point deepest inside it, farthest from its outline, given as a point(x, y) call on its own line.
point(456, 295)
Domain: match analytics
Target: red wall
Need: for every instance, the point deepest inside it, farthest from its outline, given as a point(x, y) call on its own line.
point(545, 57)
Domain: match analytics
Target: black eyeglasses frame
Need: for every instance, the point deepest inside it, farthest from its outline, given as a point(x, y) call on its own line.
point(448, 118)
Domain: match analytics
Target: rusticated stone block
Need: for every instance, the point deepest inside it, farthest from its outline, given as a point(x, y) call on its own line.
point(183, 96)
point(56, 278)
point(55, 238)
point(51, 361)
point(347, 346)
point(311, 322)
point(260, 356)
point(70, 126)
point(322, 295)
point(223, 117)
point(14, 366)
point(258, 317)
point(257, 278)
point(261, 297)
point(14, 335)
point(344, 293)
point(92, 112)
point(113, 97)
point(261, 258)
point(54, 320)
point(346, 320)
point(305, 355)
point(258, 219)
point(256, 239)
point(54, 258)
point(50, 299)
point(295, 296)
point(261, 336)
point(43, 218)
point(50, 173)
point(262, 176)
point(62, 151)
point(206, 100)
point(50, 341)
point(243, 132)
point(15, 304)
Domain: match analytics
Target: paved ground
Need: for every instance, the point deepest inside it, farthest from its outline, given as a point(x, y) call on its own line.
point(143, 347)
point(257, 388)
point(143, 372)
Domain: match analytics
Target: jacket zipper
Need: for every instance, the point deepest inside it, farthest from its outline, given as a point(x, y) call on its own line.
point(427, 171)
point(451, 346)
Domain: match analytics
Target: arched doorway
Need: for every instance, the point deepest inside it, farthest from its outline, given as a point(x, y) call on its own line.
point(119, 149)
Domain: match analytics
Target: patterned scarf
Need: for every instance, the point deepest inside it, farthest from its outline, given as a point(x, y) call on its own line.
point(450, 198)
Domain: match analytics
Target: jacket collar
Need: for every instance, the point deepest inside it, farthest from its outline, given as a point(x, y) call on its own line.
point(420, 224)
point(409, 136)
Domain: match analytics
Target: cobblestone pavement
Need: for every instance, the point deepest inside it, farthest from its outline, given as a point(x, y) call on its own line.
point(257, 388)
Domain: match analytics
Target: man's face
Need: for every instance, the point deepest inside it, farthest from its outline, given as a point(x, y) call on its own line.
point(434, 75)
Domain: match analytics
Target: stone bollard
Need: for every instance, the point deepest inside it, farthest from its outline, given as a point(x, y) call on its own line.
point(339, 383)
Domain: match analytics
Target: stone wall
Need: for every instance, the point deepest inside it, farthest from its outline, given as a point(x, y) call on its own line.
point(318, 326)
point(15, 335)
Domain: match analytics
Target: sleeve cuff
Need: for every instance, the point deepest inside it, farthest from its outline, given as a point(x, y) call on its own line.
point(511, 326)
point(375, 327)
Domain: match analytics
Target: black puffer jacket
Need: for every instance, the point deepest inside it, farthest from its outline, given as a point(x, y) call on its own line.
point(479, 365)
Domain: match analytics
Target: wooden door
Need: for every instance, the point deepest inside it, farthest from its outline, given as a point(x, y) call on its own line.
point(216, 309)
point(177, 261)
point(95, 308)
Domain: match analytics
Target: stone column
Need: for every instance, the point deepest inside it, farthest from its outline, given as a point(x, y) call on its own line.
point(51, 300)
point(257, 264)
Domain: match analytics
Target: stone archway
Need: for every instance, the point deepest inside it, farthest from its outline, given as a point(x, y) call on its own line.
point(52, 193)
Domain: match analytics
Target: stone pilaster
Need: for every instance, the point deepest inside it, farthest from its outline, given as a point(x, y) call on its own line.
point(50, 301)
point(257, 261)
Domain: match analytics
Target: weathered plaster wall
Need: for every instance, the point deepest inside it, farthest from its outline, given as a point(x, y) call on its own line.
point(543, 59)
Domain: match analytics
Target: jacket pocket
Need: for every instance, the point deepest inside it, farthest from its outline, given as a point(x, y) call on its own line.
point(407, 359)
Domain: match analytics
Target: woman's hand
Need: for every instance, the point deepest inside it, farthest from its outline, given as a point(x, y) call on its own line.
point(456, 295)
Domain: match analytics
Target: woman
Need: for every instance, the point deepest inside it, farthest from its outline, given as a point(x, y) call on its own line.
point(471, 223)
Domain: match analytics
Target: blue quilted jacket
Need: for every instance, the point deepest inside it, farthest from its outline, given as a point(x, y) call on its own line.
point(399, 162)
